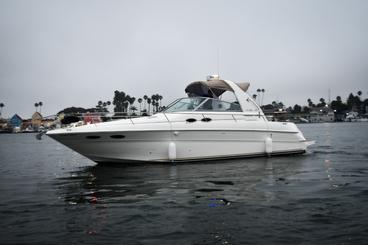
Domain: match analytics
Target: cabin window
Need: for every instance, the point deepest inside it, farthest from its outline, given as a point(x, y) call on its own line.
point(206, 119)
point(218, 105)
point(203, 104)
point(191, 120)
point(185, 104)
point(117, 136)
point(93, 137)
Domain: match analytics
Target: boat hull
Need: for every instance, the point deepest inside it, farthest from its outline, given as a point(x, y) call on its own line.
point(188, 145)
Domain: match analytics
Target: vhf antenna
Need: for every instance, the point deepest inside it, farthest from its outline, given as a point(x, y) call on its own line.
point(218, 62)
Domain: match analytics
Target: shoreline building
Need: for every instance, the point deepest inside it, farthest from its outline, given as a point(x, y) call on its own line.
point(36, 120)
point(16, 122)
point(321, 114)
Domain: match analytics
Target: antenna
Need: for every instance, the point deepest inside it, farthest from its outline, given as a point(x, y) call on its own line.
point(218, 62)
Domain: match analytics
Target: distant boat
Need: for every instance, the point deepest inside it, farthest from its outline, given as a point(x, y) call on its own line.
point(354, 117)
point(201, 126)
point(303, 120)
point(6, 131)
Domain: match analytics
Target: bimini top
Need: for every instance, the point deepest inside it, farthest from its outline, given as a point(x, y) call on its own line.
point(212, 88)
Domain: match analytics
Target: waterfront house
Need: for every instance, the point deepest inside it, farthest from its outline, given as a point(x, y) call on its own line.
point(36, 120)
point(27, 125)
point(3, 124)
point(321, 114)
point(15, 121)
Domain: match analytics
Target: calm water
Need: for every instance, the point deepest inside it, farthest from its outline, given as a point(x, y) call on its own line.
point(51, 195)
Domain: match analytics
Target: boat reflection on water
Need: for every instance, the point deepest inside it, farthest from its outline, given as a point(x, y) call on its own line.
point(102, 184)
point(232, 180)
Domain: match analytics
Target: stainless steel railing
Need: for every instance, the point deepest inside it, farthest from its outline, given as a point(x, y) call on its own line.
point(213, 116)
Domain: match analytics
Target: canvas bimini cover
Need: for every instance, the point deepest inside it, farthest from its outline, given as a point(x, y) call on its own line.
point(212, 88)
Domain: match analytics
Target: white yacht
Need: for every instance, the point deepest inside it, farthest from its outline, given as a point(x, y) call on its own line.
point(202, 126)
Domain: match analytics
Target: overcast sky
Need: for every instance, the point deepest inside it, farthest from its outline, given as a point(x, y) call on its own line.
point(74, 53)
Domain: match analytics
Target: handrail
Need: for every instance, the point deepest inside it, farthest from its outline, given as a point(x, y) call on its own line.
point(232, 117)
point(236, 117)
point(166, 116)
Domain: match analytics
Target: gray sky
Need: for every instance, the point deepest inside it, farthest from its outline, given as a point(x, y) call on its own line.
point(74, 53)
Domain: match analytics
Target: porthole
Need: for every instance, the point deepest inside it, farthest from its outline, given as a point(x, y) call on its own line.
point(191, 120)
point(206, 119)
point(117, 136)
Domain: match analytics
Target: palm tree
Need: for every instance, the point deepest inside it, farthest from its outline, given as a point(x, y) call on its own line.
point(360, 93)
point(157, 102)
point(153, 106)
point(99, 106)
point(40, 104)
point(254, 96)
point(149, 105)
point(133, 109)
point(127, 103)
point(258, 91)
point(153, 99)
point(140, 105)
point(132, 100)
point(1, 108)
point(263, 91)
point(108, 104)
point(322, 100)
point(120, 101)
point(36, 105)
point(145, 97)
point(160, 98)
point(310, 103)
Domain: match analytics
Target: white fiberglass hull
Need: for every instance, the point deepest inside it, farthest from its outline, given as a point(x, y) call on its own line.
point(155, 139)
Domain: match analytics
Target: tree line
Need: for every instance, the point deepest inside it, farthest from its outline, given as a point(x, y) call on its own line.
point(352, 103)
point(123, 104)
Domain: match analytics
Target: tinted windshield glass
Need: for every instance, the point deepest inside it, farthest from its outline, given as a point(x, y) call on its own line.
point(202, 104)
point(218, 105)
point(185, 104)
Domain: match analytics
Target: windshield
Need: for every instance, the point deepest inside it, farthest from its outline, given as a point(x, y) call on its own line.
point(202, 104)
point(185, 104)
